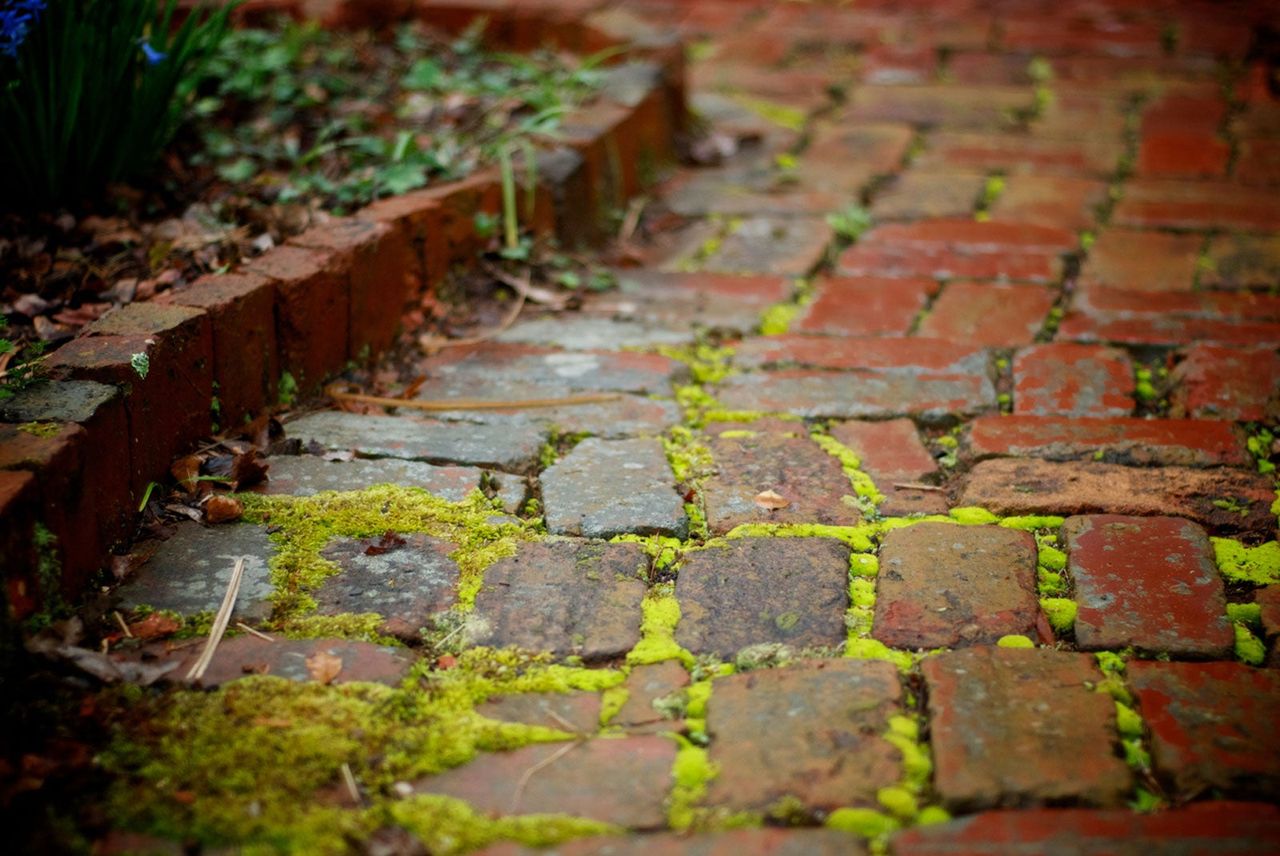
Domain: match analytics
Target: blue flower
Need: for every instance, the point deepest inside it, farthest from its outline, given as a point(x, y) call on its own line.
point(16, 19)
point(154, 57)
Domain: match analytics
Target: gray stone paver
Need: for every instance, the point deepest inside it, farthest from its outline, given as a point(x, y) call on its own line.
point(604, 488)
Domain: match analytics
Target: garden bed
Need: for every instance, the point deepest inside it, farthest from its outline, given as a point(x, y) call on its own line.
point(318, 291)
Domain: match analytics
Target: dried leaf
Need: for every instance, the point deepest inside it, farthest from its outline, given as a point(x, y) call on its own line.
point(324, 667)
point(248, 469)
point(154, 626)
point(221, 509)
point(388, 542)
point(185, 470)
point(771, 500)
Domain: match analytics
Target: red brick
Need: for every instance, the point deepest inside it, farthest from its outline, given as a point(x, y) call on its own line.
point(645, 686)
point(1014, 487)
point(907, 354)
point(753, 591)
point(1214, 382)
point(460, 202)
point(1034, 750)
point(1047, 200)
point(376, 258)
point(1154, 329)
point(18, 507)
point(620, 781)
point(989, 314)
point(238, 657)
point(418, 217)
point(246, 366)
point(800, 88)
point(776, 246)
point(1205, 827)
point(895, 65)
point(813, 726)
point(1018, 154)
point(943, 585)
point(1084, 34)
point(1242, 261)
point(1258, 162)
point(1213, 305)
point(68, 506)
point(916, 195)
point(765, 841)
point(1079, 112)
point(865, 306)
point(1142, 261)
point(576, 712)
point(811, 481)
point(1182, 154)
point(1197, 205)
point(977, 108)
point(959, 248)
point(168, 410)
point(876, 147)
point(1133, 441)
point(931, 397)
point(1063, 379)
point(1268, 600)
point(891, 453)
point(313, 311)
point(1212, 726)
point(988, 68)
point(1148, 583)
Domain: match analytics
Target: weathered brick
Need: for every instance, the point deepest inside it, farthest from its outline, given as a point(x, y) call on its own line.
point(1132, 441)
point(960, 248)
point(813, 726)
point(1212, 726)
point(1048, 710)
point(1164, 329)
point(1061, 201)
point(168, 410)
point(578, 713)
point(917, 194)
point(417, 217)
point(854, 395)
point(759, 245)
point(18, 559)
point(1056, 35)
point(1204, 827)
point(564, 598)
point(525, 371)
point(746, 190)
point(313, 311)
point(1258, 162)
point(246, 366)
point(911, 355)
point(1148, 583)
point(942, 585)
point(1169, 153)
point(675, 300)
point(1019, 154)
point(646, 685)
point(1064, 379)
point(1242, 261)
point(583, 333)
point(407, 583)
point(792, 591)
point(1142, 261)
point(604, 488)
point(878, 148)
point(1010, 486)
point(892, 454)
point(988, 314)
point(1197, 205)
point(242, 656)
point(512, 447)
point(1268, 600)
point(1166, 309)
point(766, 841)
point(1215, 382)
point(376, 258)
point(620, 781)
point(978, 108)
point(811, 481)
point(865, 306)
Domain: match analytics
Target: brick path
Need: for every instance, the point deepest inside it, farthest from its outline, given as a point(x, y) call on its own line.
point(948, 539)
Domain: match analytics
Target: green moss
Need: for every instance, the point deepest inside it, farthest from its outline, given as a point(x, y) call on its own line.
point(707, 363)
point(449, 826)
point(1014, 640)
point(48, 579)
point(1061, 612)
point(857, 537)
point(1245, 613)
point(1112, 666)
point(1051, 558)
point(917, 765)
point(865, 822)
point(1050, 583)
point(932, 814)
point(864, 564)
point(862, 484)
point(611, 701)
point(1128, 722)
point(43, 430)
point(660, 613)
point(689, 457)
point(1258, 565)
point(662, 549)
point(973, 516)
point(874, 649)
point(305, 525)
point(777, 319)
point(1249, 648)
point(772, 111)
point(899, 802)
point(692, 772)
point(363, 626)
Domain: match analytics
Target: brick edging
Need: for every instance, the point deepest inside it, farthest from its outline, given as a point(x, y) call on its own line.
point(77, 453)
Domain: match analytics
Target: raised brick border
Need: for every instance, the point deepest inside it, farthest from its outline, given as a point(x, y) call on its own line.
point(235, 332)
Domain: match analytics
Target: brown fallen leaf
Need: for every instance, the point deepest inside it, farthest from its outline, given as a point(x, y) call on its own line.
point(154, 626)
point(248, 469)
point(388, 542)
point(221, 509)
point(771, 500)
point(185, 471)
point(323, 667)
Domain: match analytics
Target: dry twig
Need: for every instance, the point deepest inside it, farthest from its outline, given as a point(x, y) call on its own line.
point(915, 486)
point(335, 392)
point(219, 622)
point(252, 632)
point(528, 774)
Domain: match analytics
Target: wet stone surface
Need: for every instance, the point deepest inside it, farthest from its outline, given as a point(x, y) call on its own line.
point(577, 713)
point(991, 711)
point(1148, 583)
point(189, 572)
point(791, 591)
point(604, 488)
point(857, 395)
point(565, 597)
point(407, 580)
point(943, 585)
point(513, 448)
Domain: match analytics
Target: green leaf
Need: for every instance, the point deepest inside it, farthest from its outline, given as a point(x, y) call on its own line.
point(239, 170)
point(401, 178)
point(425, 74)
